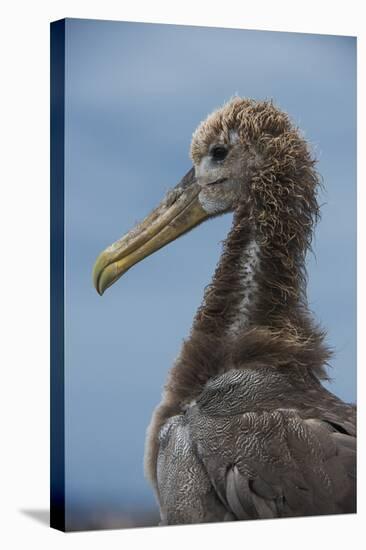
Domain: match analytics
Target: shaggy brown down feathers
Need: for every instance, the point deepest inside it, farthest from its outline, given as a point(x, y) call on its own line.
point(260, 389)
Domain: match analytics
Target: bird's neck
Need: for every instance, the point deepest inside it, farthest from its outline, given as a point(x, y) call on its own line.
point(254, 313)
point(257, 283)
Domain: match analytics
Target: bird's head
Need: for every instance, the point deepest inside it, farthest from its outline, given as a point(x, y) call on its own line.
point(225, 157)
point(245, 152)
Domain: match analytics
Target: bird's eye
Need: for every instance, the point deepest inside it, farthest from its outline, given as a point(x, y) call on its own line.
point(219, 152)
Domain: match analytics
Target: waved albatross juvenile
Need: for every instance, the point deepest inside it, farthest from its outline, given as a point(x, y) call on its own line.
point(245, 428)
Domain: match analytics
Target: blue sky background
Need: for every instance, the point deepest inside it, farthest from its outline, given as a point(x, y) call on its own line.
point(134, 94)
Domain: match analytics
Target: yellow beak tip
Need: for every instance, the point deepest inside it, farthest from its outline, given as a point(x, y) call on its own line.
point(96, 283)
point(97, 272)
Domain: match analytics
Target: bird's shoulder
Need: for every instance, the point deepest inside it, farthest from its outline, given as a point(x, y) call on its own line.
point(264, 389)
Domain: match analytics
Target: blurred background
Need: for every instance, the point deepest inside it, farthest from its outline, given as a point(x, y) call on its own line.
point(134, 94)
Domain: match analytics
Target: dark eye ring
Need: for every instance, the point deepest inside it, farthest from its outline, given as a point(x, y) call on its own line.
point(219, 152)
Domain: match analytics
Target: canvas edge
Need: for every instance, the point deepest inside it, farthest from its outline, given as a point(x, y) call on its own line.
point(57, 242)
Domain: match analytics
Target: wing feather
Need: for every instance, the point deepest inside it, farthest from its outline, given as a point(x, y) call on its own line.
point(216, 465)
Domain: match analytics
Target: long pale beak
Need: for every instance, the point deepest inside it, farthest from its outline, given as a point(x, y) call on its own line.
point(179, 212)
